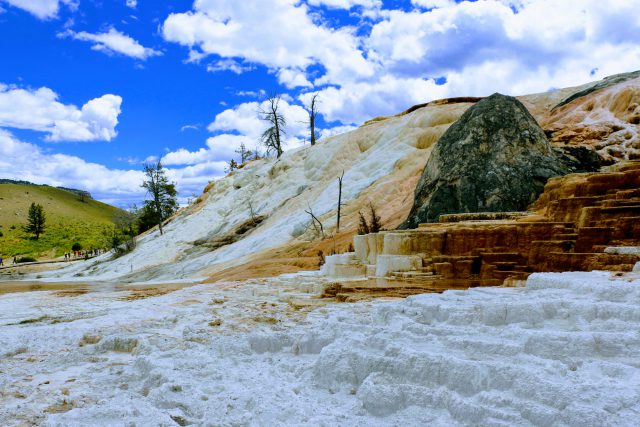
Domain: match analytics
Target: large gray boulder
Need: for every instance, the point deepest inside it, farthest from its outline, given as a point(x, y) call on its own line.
point(495, 158)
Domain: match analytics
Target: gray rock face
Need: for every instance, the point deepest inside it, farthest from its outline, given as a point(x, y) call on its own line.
point(495, 158)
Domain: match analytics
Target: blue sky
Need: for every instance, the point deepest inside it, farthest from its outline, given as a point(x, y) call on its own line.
point(90, 89)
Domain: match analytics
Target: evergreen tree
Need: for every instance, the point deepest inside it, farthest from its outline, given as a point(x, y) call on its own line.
point(245, 154)
point(35, 220)
point(163, 194)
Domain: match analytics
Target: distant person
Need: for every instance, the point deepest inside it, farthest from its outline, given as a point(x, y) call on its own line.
point(1, 262)
point(15, 260)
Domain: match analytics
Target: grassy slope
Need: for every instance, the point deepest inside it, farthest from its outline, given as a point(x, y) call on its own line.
point(68, 220)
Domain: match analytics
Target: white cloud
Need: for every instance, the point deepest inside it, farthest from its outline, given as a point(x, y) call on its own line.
point(241, 125)
point(132, 3)
point(275, 33)
point(543, 33)
point(473, 48)
point(347, 4)
point(293, 78)
point(245, 120)
point(113, 41)
point(25, 161)
point(358, 102)
point(220, 148)
point(432, 4)
point(229, 65)
point(252, 93)
point(42, 9)
point(514, 47)
point(22, 160)
point(40, 110)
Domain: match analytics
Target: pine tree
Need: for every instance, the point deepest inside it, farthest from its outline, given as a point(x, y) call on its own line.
point(375, 225)
point(363, 227)
point(35, 220)
point(163, 194)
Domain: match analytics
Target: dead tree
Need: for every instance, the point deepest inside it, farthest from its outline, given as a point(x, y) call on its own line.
point(339, 201)
point(312, 110)
point(251, 211)
point(272, 136)
point(315, 221)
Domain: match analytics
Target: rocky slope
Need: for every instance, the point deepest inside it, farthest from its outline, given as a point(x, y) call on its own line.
point(496, 158)
point(382, 163)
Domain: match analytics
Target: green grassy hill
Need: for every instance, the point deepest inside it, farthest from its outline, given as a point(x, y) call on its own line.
point(68, 220)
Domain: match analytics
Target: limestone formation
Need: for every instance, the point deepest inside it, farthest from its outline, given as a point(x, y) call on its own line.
point(496, 158)
point(582, 222)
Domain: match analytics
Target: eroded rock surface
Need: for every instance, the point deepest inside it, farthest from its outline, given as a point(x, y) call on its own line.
point(496, 158)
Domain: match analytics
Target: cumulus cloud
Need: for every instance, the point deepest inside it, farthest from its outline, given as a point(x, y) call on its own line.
point(220, 148)
point(229, 65)
point(347, 4)
point(42, 9)
point(279, 34)
point(432, 4)
point(120, 187)
point(113, 41)
point(539, 34)
point(40, 110)
point(245, 120)
point(476, 48)
point(393, 58)
point(132, 3)
point(23, 160)
point(358, 102)
point(241, 125)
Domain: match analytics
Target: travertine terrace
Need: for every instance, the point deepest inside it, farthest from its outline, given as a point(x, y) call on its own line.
point(382, 163)
point(581, 222)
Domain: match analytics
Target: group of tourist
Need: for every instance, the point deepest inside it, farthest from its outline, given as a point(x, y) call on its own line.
point(68, 256)
point(15, 261)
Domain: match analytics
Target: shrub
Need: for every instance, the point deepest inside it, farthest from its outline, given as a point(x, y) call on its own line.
point(25, 259)
point(76, 247)
point(1, 235)
point(363, 227)
point(374, 226)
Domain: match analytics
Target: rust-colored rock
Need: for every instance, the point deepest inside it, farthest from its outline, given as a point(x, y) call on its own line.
point(570, 225)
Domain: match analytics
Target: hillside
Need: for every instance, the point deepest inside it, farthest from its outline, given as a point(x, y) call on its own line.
point(69, 220)
point(382, 162)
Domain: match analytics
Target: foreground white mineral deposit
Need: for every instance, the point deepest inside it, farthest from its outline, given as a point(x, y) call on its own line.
point(564, 350)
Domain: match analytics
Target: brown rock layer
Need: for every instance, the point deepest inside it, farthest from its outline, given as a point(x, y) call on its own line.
point(574, 220)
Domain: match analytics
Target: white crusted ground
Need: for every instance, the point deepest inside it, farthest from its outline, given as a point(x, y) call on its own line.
point(564, 350)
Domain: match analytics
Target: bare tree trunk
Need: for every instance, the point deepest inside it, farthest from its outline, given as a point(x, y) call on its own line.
point(339, 200)
point(274, 110)
point(315, 220)
point(156, 198)
point(312, 119)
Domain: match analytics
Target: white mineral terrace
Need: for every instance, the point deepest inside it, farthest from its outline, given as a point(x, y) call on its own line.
point(564, 350)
